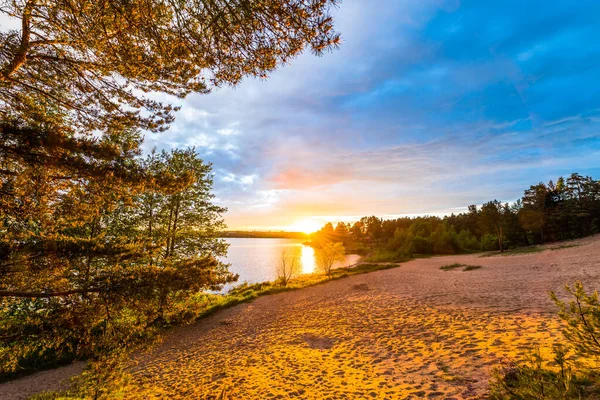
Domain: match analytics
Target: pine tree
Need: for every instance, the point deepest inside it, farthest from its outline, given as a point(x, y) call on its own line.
point(493, 219)
point(89, 63)
point(79, 250)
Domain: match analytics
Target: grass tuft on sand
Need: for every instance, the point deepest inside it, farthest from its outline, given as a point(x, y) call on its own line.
point(454, 266)
point(564, 246)
point(517, 251)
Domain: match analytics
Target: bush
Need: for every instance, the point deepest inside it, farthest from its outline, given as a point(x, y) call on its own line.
point(489, 243)
point(467, 241)
point(542, 379)
point(571, 373)
point(422, 245)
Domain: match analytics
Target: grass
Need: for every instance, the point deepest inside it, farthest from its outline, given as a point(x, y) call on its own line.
point(386, 256)
point(357, 249)
point(530, 250)
point(564, 246)
point(450, 267)
point(520, 250)
point(454, 266)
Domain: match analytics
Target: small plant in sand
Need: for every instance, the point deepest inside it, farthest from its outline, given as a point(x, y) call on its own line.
point(572, 373)
point(582, 317)
point(289, 266)
point(327, 255)
point(465, 267)
point(450, 267)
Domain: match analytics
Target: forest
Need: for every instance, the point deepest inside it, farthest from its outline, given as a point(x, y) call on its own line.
point(567, 209)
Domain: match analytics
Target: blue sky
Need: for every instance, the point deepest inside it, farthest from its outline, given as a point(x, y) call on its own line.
point(427, 106)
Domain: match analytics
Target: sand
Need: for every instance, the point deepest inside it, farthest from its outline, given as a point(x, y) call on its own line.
point(51, 380)
point(410, 332)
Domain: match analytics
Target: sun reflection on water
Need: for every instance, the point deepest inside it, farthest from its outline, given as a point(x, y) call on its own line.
point(308, 260)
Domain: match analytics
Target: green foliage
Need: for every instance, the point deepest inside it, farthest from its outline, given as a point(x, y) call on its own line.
point(564, 246)
point(386, 256)
point(572, 373)
point(96, 246)
point(450, 267)
point(489, 242)
point(467, 241)
point(494, 219)
point(90, 265)
point(538, 378)
point(445, 241)
point(582, 318)
point(421, 245)
point(520, 250)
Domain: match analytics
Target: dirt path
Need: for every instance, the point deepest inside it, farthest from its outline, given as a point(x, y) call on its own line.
point(51, 380)
point(410, 332)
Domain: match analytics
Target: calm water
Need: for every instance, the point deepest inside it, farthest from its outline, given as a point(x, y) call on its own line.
point(256, 260)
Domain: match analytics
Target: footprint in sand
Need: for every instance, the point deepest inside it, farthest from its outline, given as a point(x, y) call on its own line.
point(317, 342)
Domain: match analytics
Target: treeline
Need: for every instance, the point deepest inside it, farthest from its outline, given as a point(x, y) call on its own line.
point(264, 234)
point(567, 209)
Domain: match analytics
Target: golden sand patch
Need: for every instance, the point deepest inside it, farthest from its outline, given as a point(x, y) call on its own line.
point(375, 346)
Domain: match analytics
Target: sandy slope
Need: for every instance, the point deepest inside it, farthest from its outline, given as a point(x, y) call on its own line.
point(409, 332)
point(54, 379)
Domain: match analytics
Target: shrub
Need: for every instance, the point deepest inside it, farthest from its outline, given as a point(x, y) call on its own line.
point(571, 373)
point(537, 378)
point(327, 255)
point(489, 242)
point(467, 241)
point(289, 266)
point(422, 245)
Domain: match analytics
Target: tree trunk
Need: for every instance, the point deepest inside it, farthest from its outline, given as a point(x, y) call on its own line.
point(21, 53)
point(500, 233)
point(174, 227)
point(169, 233)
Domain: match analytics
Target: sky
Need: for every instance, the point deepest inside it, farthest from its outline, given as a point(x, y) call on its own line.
point(427, 106)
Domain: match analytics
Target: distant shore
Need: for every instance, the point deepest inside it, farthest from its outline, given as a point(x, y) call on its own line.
point(264, 235)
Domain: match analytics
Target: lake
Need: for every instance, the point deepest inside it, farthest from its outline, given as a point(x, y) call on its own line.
point(256, 260)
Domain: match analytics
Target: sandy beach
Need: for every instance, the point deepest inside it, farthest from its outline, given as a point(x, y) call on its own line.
point(410, 332)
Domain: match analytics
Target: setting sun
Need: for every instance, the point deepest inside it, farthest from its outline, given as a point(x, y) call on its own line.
point(306, 226)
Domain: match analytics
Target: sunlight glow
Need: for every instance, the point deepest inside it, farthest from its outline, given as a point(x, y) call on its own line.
point(308, 260)
point(306, 226)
